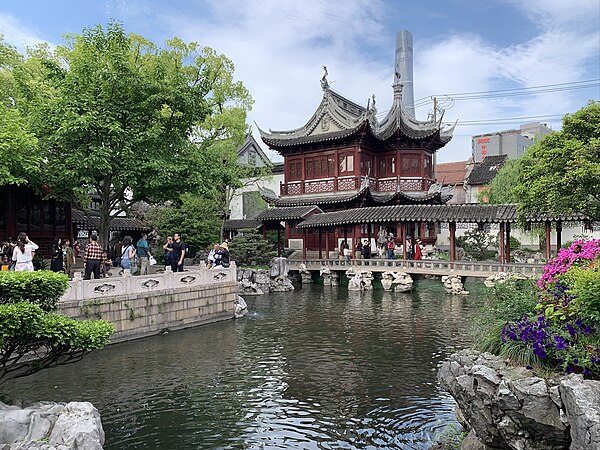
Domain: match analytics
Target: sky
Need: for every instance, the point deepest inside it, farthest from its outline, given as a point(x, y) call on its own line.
point(533, 60)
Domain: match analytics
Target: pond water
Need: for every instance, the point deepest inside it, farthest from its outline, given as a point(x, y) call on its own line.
point(318, 368)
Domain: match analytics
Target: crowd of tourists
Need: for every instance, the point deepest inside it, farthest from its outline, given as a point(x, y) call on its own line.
point(386, 246)
point(125, 255)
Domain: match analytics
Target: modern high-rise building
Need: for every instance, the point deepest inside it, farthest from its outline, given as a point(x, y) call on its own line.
point(511, 143)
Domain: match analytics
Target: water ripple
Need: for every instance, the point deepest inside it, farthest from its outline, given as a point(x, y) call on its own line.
point(317, 369)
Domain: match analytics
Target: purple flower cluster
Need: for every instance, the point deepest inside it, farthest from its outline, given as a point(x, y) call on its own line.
point(580, 250)
point(538, 334)
point(533, 332)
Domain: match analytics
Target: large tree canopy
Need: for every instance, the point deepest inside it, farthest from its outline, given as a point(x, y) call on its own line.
point(561, 173)
point(126, 120)
point(18, 146)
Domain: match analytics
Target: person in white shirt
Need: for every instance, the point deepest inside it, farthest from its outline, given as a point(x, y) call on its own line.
point(23, 254)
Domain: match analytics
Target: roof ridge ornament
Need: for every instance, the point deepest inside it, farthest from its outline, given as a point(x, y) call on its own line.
point(324, 83)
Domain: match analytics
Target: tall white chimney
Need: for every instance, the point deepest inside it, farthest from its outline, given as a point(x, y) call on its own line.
point(404, 68)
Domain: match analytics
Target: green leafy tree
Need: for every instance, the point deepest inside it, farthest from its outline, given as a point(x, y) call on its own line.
point(129, 121)
point(504, 187)
point(32, 336)
point(196, 217)
point(250, 249)
point(18, 145)
point(560, 174)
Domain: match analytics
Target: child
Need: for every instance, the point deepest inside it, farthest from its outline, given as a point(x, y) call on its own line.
point(106, 265)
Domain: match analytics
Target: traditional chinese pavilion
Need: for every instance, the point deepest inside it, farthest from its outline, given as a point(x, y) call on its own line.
point(345, 158)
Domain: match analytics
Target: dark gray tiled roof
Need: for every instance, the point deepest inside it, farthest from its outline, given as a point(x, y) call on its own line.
point(287, 213)
point(469, 213)
point(486, 170)
point(241, 224)
point(296, 200)
point(344, 197)
point(116, 224)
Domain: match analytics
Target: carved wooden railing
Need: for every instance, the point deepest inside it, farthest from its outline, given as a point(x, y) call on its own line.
point(352, 183)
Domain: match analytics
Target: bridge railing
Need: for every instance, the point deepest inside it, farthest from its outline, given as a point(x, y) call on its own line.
point(80, 289)
point(420, 266)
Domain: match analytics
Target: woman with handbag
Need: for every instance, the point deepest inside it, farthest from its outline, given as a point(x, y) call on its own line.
point(128, 263)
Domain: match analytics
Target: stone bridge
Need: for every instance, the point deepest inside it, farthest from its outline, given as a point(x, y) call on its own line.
point(480, 269)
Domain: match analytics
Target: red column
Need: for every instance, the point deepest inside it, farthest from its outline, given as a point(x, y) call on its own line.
point(303, 243)
point(452, 228)
point(326, 243)
point(507, 251)
point(548, 247)
point(558, 236)
point(320, 245)
point(403, 240)
point(502, 243)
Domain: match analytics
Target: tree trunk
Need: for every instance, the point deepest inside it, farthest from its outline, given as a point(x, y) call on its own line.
point(105, 218)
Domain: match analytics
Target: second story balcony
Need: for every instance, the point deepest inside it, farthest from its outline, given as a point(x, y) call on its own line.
point(340, 184)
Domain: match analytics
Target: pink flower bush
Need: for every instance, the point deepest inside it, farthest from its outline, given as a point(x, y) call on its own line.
point(579, 252)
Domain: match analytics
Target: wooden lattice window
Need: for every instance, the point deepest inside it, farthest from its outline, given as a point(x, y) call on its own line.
point(411, 165)
point(295, 167)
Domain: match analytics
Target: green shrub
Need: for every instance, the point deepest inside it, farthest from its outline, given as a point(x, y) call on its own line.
point(250, 249)
point(55, 339)
point(475, 243)
point(42, 287)
point(586, 292)
point(515, 244)
point(502, 303)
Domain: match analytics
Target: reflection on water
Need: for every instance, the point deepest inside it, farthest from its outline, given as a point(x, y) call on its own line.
point(318, 368)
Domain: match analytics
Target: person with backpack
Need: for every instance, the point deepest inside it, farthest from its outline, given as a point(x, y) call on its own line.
point(128, 256)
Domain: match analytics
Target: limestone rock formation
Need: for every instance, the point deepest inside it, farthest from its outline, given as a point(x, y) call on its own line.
point(240, 308)
point(305, 274)
point(454, 285)
point(359, 280)
point(508, 407)
point(51, 426)
point(503, 277)
point(247, 283)
point(398, 281)
point(279, 275)
point(330, 277)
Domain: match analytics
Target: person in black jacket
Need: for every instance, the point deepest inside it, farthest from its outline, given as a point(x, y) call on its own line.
point(366, 250)
point(57, 261)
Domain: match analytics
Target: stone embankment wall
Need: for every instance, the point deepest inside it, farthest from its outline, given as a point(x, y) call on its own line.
point(146, 305)
point(508, 407)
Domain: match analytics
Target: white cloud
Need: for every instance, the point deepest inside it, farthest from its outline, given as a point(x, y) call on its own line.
point(279, 49)
point(18, 34)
